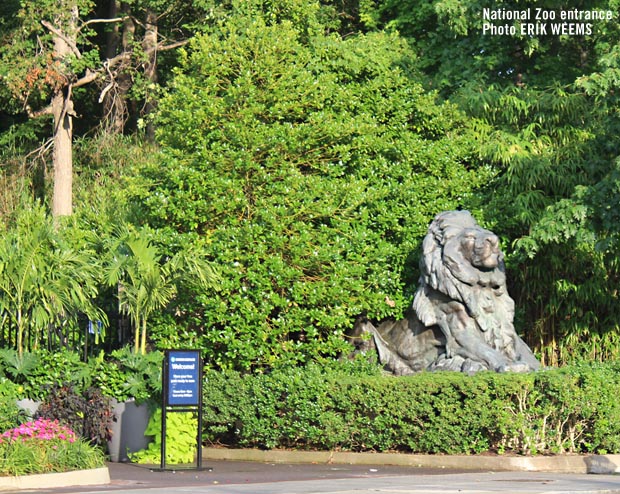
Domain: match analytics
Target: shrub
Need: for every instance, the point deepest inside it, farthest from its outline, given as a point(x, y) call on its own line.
point(54, 369)
point(125, 374)
point(309, 176)
point(554, 411)
point(292, 408)
point(88, 413)
point(39, 371)
point(11, 415)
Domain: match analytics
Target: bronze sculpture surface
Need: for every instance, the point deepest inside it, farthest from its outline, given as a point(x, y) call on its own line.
point(462, 315)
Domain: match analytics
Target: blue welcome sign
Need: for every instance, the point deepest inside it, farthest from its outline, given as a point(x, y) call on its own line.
point(183, 378)
point(182, 392)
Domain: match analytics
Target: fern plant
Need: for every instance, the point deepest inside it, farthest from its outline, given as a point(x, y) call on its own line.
point(18, 366)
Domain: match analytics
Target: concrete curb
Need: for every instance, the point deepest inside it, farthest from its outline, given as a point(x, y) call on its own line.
point(96, 476)
point(600, 464)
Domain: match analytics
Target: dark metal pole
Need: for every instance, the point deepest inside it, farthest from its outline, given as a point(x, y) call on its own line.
point(164, 394)
point(199, 438)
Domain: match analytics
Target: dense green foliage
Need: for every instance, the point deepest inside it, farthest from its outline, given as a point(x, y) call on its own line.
point(120, 375)
point(456, 51)
point(124, 374)
point(546, 110)
point(149, 279)
point(326, 407)
point(48, 276)
point(554, 150)
point(311, 169)
point(303, 147)
point(11, 414)
point(54, 279)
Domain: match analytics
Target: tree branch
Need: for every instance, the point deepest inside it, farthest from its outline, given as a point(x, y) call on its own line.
point(100, 21)
point(42, 149)
point(60, 34)
point(105, 91)
point(171, 46)
point(121, 57)
point(126, 55)
point(43, 111)
point(89, 77)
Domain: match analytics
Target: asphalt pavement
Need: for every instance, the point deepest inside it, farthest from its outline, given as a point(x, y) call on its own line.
point(239, 477)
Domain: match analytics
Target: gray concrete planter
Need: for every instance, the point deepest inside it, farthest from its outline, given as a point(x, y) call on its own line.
point(29, 406)
point(128, 429)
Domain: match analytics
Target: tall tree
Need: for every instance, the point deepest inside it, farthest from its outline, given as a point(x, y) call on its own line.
point(48, 52)
point(311, 165)
point(44, 58)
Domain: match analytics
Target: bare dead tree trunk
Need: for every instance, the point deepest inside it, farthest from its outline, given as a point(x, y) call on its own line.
point(62, 202)
point(62, 111)
point(149, 45)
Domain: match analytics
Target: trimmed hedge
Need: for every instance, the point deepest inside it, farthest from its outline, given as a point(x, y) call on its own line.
point(573, 409)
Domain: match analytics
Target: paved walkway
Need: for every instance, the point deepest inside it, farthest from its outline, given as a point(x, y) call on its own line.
point(238, 477)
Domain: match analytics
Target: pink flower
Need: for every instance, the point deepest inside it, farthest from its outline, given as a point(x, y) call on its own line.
point(42, 429)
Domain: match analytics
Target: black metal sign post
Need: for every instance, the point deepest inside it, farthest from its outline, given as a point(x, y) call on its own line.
point(182, 392)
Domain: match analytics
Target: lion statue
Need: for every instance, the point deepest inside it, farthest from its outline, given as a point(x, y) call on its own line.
point(462, 316)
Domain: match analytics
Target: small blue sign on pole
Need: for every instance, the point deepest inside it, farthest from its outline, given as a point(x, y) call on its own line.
point(183, 378)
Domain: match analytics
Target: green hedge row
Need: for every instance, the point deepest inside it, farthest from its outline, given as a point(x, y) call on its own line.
point(573, 409)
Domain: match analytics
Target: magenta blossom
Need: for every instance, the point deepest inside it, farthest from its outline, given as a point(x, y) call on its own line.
point(42, 429)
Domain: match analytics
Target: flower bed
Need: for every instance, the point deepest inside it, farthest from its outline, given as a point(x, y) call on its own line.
point(42, 429)
point(45, 446)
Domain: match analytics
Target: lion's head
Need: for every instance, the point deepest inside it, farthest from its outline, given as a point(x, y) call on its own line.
point(480, 247)
point(458, 251)
point(461, 262)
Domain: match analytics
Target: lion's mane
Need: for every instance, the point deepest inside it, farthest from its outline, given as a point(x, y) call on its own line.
point(446, 272)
